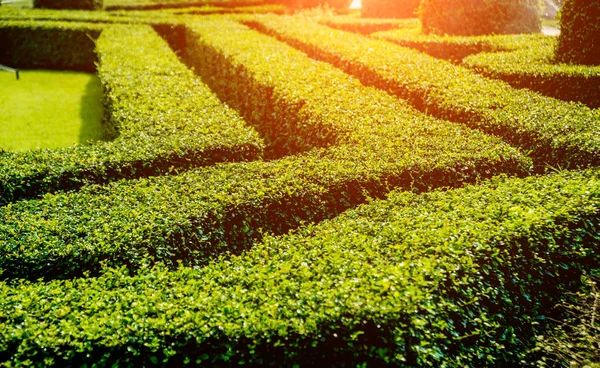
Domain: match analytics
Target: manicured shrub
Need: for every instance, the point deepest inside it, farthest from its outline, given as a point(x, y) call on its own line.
point(49, 45)
point(369, 25)
point(299, 4)
point(579, 38)
point(389, 8)
point(164, 120)
point(373, 143)
point(553, 132)
point(480, 17)
point(69, 4)
point(532, 67)
point(456, 48)
point(449, 278)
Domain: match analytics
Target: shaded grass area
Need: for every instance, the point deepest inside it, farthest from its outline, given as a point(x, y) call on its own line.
point(49, 109)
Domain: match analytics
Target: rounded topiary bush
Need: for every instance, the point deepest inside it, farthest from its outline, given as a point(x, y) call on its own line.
point(69, 4)
point(579, 39)
point(480, 17)
point(389, 8)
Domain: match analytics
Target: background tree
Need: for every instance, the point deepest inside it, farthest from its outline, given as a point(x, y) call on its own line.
point(480, 17)
point(579, 40)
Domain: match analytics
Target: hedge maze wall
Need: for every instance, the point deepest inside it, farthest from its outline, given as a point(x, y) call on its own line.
point(280, 191)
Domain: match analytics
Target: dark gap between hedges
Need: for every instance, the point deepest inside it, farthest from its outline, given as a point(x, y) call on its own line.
point(175, 35)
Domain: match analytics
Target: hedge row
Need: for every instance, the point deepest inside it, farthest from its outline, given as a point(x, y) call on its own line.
point(49, 45)
point(534, 68)
point(456, 48)
point(165, 118)
point(555, 132)
point(174, 4)
point(369, 25)
point(454, 278)
point(375, 143)
point(69, 4)
point(131, 17)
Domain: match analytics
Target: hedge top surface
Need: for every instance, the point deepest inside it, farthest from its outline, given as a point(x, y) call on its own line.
point(442, 278)
point(161, 114)
point(536, 60)
point(557, 133)
point(378, 143)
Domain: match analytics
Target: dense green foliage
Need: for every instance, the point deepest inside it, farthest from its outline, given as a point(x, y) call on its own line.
point(69, 4)
point(579, 38)
point(449, 279)
point(480, 17)
point(389, 8)
point(164, 119)
point(49, 109)
point(374, 143)
point(556, 133)
point(456, 48)
point(174, 4)
point(49, 45)
point(533, 67)
point(267, 261)
point(368, 25)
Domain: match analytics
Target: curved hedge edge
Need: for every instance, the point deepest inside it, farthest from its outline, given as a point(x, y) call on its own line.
point(197, 215)
point(533, 68)
point(557, 134)
point(448, 278)
point(166, 121)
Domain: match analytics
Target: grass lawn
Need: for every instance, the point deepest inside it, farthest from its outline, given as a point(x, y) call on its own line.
point(49, 109)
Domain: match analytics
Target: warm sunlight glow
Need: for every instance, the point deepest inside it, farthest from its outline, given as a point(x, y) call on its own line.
point(356, 4)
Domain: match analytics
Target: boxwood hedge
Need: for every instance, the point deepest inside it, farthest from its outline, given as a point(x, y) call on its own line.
point(448, 278)
point(49, 45)
point(456, 48)
point(579, 38)
point(368, 25)
point(374, 143)
point(69, 4)
point(165, 119)
point(555, 132)
point(534, 68)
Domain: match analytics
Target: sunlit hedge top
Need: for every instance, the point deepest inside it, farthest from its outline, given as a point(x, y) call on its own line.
point(389, 8)
point(480, 17)
point(579, 39)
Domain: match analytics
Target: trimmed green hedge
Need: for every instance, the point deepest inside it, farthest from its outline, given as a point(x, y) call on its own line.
point(555, 133)
point(389, 8)
point(69, 4)
point(456, 48)
point(449, 278)
point(165, 118)
point(480, 17)
point(533, 68)
point(368, 26)
point(175, 4)
point(579, 38)
point(375, 143)
point(49, 45)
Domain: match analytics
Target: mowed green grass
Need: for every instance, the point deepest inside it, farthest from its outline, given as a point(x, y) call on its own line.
point(49, 109)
